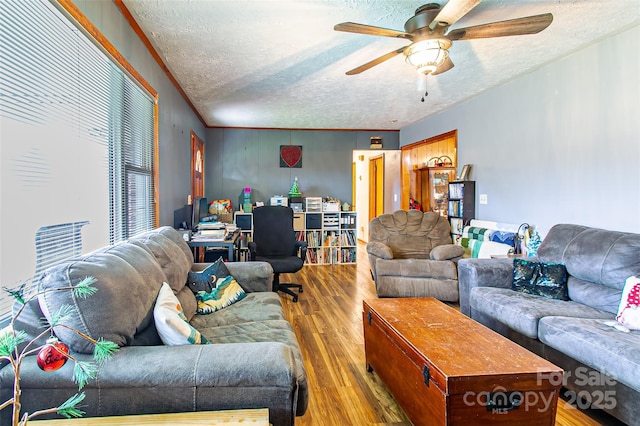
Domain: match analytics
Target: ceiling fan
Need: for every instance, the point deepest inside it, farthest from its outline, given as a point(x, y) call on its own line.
point(429, 50)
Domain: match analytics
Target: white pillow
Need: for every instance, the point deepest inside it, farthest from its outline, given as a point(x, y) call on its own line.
point(629, 309)
point(171, 323)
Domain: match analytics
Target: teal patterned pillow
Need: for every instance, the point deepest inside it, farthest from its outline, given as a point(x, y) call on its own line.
point(226, 293)
point(206, 280)
point(544, 279)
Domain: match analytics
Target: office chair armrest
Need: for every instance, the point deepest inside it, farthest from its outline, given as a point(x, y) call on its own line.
point(252, 250)
point(301, 248)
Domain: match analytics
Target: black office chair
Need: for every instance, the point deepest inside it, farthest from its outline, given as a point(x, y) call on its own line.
point(274, 241)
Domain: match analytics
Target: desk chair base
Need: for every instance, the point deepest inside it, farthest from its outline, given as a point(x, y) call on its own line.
point(286, 288)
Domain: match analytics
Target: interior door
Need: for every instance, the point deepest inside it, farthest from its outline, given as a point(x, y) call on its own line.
point(376, 186)
point(197, 166)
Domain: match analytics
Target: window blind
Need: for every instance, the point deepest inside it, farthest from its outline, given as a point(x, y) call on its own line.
point(77, 141)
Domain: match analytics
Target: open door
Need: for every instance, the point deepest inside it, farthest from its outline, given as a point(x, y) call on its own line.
point(376, 186)
point(197, 166)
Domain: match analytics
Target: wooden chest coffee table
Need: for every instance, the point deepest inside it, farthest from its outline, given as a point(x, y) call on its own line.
point(443, 368)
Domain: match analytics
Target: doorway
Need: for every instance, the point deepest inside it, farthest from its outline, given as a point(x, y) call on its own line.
point(387, 190)
point(197, 166)
point(376, 186)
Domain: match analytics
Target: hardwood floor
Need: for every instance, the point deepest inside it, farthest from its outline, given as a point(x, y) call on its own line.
point(327, 320)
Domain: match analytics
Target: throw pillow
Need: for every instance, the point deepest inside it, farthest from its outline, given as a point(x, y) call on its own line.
point(545, 279)
point(171, 323)
point(226, 293)
point(206, 279)
point(629, 309)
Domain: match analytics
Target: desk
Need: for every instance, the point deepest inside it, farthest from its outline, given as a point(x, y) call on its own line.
point(230, 244)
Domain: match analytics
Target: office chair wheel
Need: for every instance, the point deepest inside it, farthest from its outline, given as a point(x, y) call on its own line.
point(300, 290)
point(295, 298)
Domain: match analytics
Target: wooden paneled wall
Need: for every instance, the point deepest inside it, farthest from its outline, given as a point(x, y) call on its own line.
point(417, 155)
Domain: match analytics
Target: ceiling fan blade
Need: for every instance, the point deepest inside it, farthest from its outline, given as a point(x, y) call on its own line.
point(352, 27)
point(452, 11)
point(446, 66)
point(376, 61)
point(520, 26)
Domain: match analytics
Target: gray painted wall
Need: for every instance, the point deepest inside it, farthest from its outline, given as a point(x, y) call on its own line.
point(558, 145)
point(238, 158)
point(176, 119)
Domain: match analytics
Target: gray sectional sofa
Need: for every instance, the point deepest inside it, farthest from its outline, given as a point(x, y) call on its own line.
point(253, 361)
point(601, 364)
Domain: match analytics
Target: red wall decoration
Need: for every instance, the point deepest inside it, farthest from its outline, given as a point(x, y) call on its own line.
point(291, 156)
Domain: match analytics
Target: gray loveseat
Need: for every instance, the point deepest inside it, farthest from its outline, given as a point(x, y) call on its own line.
point(601, 363)
point(254, 360)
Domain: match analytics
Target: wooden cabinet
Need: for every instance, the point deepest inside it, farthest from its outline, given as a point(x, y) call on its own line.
point(432, 188)
point(462, 204)
point(439, 178)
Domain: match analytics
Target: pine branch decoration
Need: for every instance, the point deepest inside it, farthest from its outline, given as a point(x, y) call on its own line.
point(83, 371)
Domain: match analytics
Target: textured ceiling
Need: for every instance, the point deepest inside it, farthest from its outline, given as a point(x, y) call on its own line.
point(280, 64)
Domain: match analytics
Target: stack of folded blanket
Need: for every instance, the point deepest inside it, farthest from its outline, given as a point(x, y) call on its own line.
point(483, 239)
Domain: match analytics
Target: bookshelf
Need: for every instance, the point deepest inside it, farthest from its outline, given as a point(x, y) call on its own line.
point(461, 205)
point(331, 236)
point(244, 221)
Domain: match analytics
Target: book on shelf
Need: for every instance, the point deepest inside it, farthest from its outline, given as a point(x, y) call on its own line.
point(311, 256)
point(456, 225)
point(455, 208)
point(347, 255)
point(456, 190)
point(347, 238)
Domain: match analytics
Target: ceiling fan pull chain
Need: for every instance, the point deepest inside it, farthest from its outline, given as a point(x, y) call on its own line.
point(426, 93)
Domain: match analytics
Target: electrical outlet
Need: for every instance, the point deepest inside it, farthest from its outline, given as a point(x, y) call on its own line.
point(484, 199)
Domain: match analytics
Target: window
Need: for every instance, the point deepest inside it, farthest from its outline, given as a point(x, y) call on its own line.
point(77, 145)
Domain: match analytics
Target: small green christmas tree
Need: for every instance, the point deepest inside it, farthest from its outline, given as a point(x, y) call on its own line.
point(52, 355)
point(295, 188)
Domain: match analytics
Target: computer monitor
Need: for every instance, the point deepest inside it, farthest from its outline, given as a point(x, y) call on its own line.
point(182, 217)
point(200, 209)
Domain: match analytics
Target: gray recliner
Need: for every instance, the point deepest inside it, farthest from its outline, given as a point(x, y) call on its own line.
point(411, 255)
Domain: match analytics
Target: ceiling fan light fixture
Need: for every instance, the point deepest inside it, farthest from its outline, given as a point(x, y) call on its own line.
point(427, 55)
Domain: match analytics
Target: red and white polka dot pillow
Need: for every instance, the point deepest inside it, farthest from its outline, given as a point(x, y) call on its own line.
point(629, 309)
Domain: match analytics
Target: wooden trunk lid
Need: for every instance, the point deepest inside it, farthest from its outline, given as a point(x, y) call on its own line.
point(460, 354)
